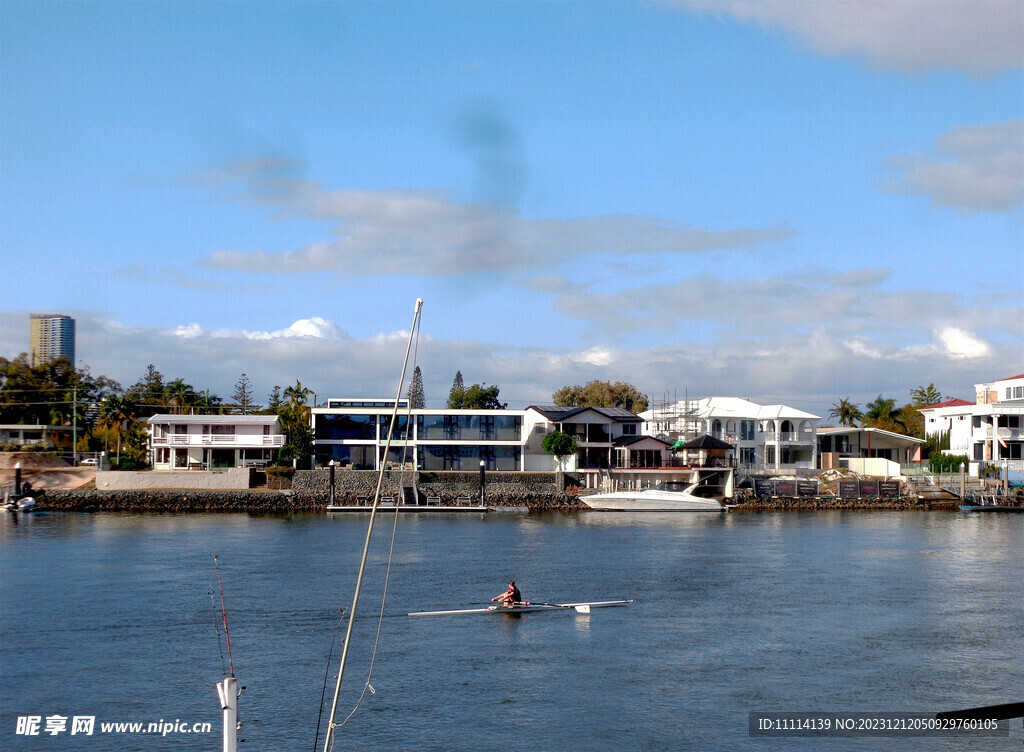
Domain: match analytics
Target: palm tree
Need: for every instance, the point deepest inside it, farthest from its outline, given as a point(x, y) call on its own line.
point(180, 396)
point(846, 412)
point(298, 394)
point(117, 411)
point(883, 413)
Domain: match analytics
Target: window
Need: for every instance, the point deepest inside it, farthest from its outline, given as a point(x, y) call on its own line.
point(341, 427)
point(629, 429)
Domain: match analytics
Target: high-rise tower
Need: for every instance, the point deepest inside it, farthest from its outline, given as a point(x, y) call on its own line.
point(51, 336)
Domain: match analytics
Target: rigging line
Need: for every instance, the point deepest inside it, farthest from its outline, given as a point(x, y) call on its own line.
point(391, 551)
point(216, 628)
point(224, 615)
point(327, 673)
point(329, 737)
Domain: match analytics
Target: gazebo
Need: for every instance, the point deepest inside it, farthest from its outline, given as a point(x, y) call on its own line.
point(705, 451)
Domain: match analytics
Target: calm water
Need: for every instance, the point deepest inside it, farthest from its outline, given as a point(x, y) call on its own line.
point(110, 615)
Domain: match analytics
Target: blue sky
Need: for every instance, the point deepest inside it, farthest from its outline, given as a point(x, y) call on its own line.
point(793, 201)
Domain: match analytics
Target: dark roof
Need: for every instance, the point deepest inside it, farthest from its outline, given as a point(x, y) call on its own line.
point(557, 413)
point(707, 441)
point(630, 440)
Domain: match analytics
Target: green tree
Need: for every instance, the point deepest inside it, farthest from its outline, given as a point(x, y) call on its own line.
point(598, 393)
point(560, 445)
point(180, 396)
point(457, 394)
point(117, 412)
point(295, 422)
point(924, 396)
point(52, 393)
point(274, 400)
point(846, 412)
point(482, 397)
point(882, 413)
point(298, 394)
point(243, 396)
point(148, 393)
point(417, 399)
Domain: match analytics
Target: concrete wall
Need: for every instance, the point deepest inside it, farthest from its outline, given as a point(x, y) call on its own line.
point(873, 467)
point(233, 479)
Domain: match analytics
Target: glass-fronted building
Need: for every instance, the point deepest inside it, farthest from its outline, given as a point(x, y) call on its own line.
point(354, 433)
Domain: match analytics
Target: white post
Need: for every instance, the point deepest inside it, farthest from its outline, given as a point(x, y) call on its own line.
point(229, 704)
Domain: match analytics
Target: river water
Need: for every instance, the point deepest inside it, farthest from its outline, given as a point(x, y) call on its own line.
point(110, 616)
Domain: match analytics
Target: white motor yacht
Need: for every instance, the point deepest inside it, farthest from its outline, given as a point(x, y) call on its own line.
point(669, 496)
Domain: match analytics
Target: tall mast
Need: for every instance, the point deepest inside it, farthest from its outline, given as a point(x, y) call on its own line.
point(369, 530)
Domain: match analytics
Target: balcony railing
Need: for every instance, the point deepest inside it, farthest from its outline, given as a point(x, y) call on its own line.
point(788, 437)
point(218, 439)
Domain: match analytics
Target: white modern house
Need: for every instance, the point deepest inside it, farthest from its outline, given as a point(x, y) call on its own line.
point(353, 433)
point(209, 442)
point(989, 430)
point(772, 437)
point(858, 448)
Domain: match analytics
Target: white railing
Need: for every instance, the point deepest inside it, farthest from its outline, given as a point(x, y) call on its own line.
point(219, 439)
point(790, 437)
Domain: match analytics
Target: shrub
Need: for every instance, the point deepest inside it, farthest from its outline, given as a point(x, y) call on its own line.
point(947, 463)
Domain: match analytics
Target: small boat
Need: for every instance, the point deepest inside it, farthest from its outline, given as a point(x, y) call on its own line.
point(24, 504)
point(670, 496)
point(524, 608)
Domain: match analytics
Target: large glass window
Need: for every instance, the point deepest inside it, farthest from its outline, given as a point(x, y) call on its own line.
point(347, 456)
point(468, 458)
point(341, 427)
point(399, 432)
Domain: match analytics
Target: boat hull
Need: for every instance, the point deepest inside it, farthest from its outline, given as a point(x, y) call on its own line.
point(652, 501)
point(524, 608)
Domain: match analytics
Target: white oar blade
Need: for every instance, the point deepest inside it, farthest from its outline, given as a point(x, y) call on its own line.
point(584, 609)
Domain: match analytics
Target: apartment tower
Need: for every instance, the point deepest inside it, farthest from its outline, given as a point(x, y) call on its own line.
point(51, 336)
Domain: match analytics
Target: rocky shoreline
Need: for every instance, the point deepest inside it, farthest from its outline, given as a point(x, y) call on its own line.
point(282, 502)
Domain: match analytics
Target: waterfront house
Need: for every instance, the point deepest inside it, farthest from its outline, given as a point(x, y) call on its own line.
point(353, 433)
point(989, 430)
point(207, 442)
point(27, 435)
point(606, 437)
point(763, 437)
point(837, 446)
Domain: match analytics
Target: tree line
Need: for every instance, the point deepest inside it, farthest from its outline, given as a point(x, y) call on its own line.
point(113, 419)
point(883, 413)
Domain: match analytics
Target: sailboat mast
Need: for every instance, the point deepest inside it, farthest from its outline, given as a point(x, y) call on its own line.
point(369, 530)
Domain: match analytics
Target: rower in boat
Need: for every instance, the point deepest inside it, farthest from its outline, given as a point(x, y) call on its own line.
point(510, 597)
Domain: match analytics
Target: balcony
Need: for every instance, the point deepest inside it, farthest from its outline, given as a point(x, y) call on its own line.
point(219, 439)
point(788, 437)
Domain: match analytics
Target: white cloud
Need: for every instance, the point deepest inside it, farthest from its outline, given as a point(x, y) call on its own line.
point(961, 344)
point(977, 168)
point(426, 233)
point(974, 36)
point(596, 356)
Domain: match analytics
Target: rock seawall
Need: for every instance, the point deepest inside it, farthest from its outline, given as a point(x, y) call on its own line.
point(175, 501)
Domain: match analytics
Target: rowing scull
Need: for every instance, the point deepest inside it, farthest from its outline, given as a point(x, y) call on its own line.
point(583, 608)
